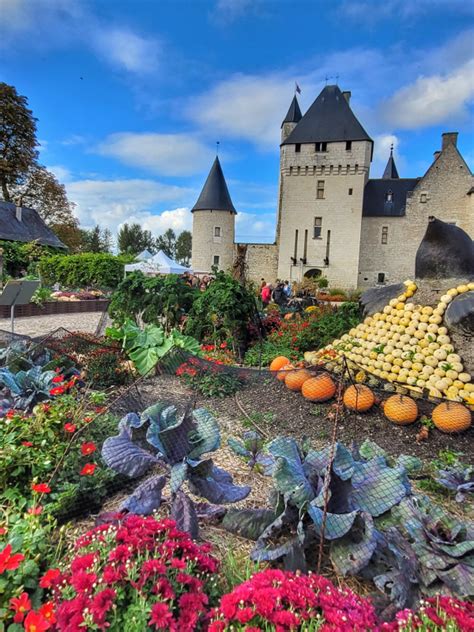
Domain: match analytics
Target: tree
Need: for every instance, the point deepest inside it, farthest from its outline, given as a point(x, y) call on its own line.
point(41, 190)
point(17, 139)
point(183, 247)
point(167, 243)
point(70, 235)
point(96, 240)
point(132, 239)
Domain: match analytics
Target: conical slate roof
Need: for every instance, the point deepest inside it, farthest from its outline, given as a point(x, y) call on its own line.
point(294, 113)
point(390, 172)
point(215, 194)
point(329, 119)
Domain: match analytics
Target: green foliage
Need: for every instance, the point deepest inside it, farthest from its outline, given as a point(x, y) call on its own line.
point(322, 282)
point(261, 354)
point(19, 258)
point(83, 270)
point(96, 240)
point(104, 368)
point(42, 295)
point(221, 313)
point(161, 300)
point(145, 347)
point(215, 383)
point(183, 247)
point(132, 239)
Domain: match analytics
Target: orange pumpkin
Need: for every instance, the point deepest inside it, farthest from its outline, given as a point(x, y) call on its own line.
point(278, 363)
point(401, 409)
point(451, 417)
point(283, 372)
point(294, 380)
point(319, 388)
point(358, 397)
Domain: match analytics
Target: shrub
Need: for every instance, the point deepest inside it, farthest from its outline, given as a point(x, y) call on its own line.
point(83, 270)
point(135, 574)
point(161, 300)
point(208, 380)
point(322, 282)
point(280, 600)
point(105, 368)
point(18, 256)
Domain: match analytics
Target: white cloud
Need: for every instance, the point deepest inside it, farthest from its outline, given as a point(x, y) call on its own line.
point(431, 100)
point(74, 139)
point(252, 227)
point(110, 203)
point(62, 173)
point(167, 154)
point(127, 50)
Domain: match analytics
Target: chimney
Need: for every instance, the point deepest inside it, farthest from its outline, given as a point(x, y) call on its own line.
point(18, 213)
point(347, 95)
point(449, 138)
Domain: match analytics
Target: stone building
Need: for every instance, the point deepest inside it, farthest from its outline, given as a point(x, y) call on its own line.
point(332, 219)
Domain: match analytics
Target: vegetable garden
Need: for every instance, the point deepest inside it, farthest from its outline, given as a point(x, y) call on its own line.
point(210, 465)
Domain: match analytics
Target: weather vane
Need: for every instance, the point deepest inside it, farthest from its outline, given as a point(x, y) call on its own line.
point(217, 147)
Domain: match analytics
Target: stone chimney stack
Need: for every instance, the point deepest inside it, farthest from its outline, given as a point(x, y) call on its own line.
point(347, 95)
point(18, 213)
point(449, 138)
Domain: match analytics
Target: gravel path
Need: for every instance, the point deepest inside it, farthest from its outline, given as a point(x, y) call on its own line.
point(41, 325)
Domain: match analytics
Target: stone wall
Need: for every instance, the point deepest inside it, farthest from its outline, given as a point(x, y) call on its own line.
point(344, 173)
point(206, 245)
point(442, 192)
point(262, 262)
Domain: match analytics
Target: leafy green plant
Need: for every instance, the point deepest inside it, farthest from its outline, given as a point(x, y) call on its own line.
point(145, 347)
point(251, 448)
point(83, 270)
point(322, 282)
point(176, 444)
point(105, 368)
point(26, 387)
point(42, 295)
point(162, 300)
point(208, 380)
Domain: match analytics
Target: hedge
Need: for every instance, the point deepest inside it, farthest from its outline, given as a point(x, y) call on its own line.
point(19, 257)
point(84, 270)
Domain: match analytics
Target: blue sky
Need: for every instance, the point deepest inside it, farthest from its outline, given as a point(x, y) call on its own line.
point(132, 95)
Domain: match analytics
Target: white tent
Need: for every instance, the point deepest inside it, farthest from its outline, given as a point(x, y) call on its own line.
point(157, 264)
point(145, 255)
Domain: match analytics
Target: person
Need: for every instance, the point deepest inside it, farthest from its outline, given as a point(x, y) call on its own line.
point(262, 284)
point(279, 295)
point(266, 293)
point(287, 289)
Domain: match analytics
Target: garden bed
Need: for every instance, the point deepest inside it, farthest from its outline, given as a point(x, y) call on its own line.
point(55, 307)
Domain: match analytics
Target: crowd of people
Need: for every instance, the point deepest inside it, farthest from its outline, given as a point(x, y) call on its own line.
point(279, 293)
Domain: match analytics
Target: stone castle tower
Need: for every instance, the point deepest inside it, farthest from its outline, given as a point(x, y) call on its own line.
point(332, 220)
point(213, 224)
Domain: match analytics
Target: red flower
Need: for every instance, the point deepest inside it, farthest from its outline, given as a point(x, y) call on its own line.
point(161, 616)
point(70, 427)
point(11, 413)
point(46, 408)
point(35, 511)
point(57, 379)
point(49, 578)
point(47, 611)
point(100, 409)
point(101, 604)
point(83, 581)
point(88, 469)
point(20, 605)
point(36, 622)
point(9, 562)
point(224, 345)
point(27, 444)
point(57, 390)
point(88, 448)
point(41, 488)
point(87, 420)
point(3, 531)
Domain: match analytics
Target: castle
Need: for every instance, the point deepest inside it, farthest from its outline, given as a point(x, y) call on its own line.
point(333, 220)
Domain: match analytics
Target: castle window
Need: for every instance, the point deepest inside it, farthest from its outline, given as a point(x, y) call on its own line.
point(351, 191)
point(216, 260)
point(389, 196)
point(356, 168)
point(423, 197)
point(348, 145)
point(380, 277)
point(298, 147)
point(385, 234)
point(298, 170)
point(318, 227)
point(217, 231)
point(320, 147)
point(320, 190)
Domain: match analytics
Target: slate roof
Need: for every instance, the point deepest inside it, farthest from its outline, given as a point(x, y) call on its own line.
point(215, 194)
point(375, 202)
point(329, 119)
point(30, 228)
point(294, 113)
point(391, 169)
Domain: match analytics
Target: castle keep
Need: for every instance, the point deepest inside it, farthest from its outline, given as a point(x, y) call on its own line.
point(333, 220)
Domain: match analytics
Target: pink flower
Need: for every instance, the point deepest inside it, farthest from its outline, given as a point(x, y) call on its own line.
point(35, 511)
point(161, 617)
point(27, 444)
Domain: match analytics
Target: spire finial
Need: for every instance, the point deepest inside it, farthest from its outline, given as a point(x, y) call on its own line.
point(391, 149)
point(217, 147)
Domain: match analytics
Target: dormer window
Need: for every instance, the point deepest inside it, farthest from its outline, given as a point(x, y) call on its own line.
point(319, 147)
point(389, 196)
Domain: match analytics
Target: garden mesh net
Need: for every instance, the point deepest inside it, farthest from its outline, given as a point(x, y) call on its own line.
point(312, 485)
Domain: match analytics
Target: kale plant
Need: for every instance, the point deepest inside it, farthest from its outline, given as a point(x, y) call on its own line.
point(24, 389)
point(251, 448)
point(175, 445)
point(458, 478)
point(356, 492)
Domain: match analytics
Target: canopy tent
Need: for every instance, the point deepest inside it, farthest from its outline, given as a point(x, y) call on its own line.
point(145, 255)
point(157, 264)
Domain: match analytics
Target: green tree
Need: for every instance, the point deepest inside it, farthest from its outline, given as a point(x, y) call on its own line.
point(96, 240)
point(167, 243)
point(183, 247)
point(132, 239)
point(17, 139)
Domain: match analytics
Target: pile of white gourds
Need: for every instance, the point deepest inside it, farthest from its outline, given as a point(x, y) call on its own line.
point(407, 344)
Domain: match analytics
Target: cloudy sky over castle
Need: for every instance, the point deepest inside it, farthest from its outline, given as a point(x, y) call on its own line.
point(131, 97)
